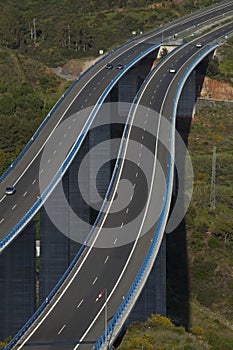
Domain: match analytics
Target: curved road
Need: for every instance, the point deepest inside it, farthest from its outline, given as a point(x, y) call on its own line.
point(86, 93)
point(62, 325)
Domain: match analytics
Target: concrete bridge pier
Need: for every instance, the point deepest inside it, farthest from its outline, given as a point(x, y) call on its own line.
point(18, 283)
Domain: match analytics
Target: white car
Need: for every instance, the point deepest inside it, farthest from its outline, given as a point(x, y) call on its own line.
point(199, 45)
point(172, 70)
point(10, 190)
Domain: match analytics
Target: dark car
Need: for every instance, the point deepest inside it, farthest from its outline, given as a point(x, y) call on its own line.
point(10, 190)
point(120, 66)
point(109, 66)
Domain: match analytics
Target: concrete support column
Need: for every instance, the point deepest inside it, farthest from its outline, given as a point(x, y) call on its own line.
point(17, 283)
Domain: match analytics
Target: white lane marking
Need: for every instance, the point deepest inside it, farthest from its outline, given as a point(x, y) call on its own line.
point(69, 127)
point(74, 120)
point(142, 137)
point(25, 193)
point(54, 152)
point(134, 185)
point(145, 121)
point(107, 257)
point(62, 328)
point(71, 280)
point(141, 145)
point(49, 161)
point(3, 198)
point(90, 93)
point(122, 224)
point(86, 99)
point(95, 280)
point(137, 174)
point(93, 76)
point(127, 210)
point(2, 220)
point(42, 170)
point(14, 207)
point(65, 134)
point(94, 88)
point(131, 197)
point(60, 143)
point(80, 304)
point(115, 241)
point(82, 107)
point(138, 164)
point(34, 181)
point(140, 154)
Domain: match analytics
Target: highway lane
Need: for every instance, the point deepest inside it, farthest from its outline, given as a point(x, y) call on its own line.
point(64, 324)
point(84, 94)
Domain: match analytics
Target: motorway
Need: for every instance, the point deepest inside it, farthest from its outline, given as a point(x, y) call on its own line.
point(25, 175)
point(117, 246)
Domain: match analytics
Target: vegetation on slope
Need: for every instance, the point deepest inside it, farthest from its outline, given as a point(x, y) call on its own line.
point(28, 90)
point(54, 31)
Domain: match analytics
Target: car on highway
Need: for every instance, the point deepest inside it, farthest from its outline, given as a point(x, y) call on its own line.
point(10, 190)
point(199, 45)
point(172, 70)
point(109, 66)
point(120, 66)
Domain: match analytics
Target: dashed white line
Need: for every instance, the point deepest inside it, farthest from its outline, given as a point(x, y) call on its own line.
point(34, 181)
point(69, 127)
point(131, 197)
point(141, 145)
point(65, 134)
point(62, 328)
point(80, 304)
point(60, 143)
point(86, 100)
point(137, 174)
point(140, 154)
point(2, 220)
point(107, 257)
point(142, 137)
point(115, 241)
point(25, 193)
point(95, 280)
point(74, 120)
point(127, 210)
point(55, 151)
point(138, 164)
point(134, 185)
point(49, 161)
point(14, 207)
point(42, 170)
point(122, 224)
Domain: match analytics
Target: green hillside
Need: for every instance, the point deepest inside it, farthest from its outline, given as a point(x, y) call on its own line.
point(76, 30)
